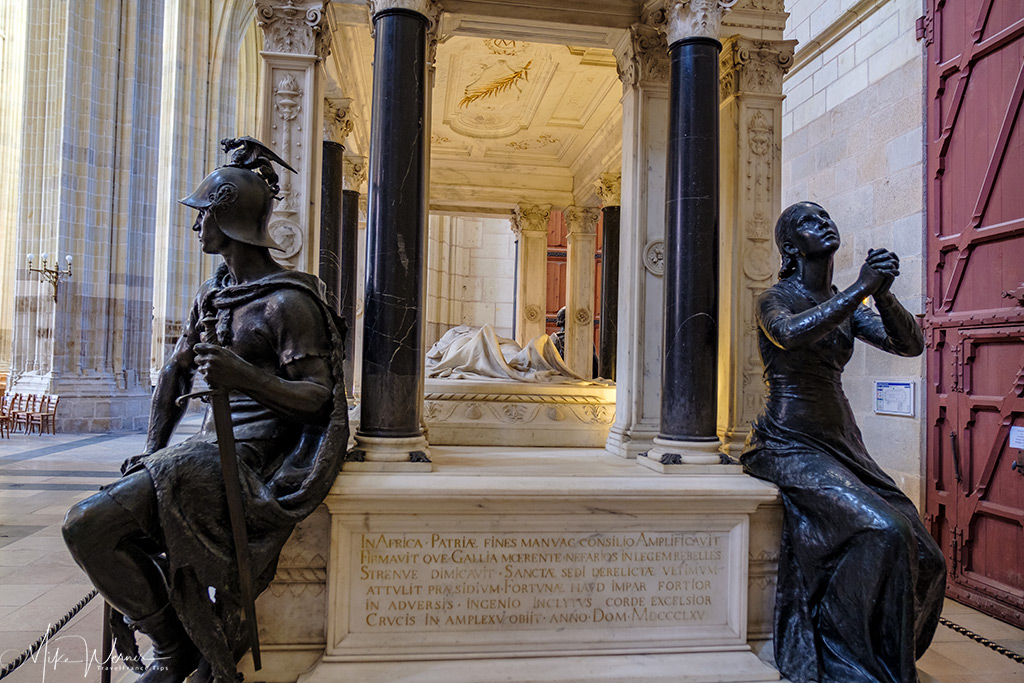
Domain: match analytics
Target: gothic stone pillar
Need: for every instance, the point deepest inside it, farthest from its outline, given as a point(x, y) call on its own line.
point(530, 225)
point(296, 37)
point(642, 62)
point(751, 143)
point(609, 189)
point(88, 183)
point(390, 433)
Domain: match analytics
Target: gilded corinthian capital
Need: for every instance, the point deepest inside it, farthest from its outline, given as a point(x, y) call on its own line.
point(292, 27)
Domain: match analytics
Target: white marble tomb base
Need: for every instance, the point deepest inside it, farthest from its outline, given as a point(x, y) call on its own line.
point(529, 565)
point(462, 412)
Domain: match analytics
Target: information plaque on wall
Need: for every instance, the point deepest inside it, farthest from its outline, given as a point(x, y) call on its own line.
point(894, 398)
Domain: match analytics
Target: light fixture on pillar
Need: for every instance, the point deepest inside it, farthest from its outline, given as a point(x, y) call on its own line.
point(52, 275)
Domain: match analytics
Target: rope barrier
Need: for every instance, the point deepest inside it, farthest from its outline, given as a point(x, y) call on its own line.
point(50, 632)
point(981, 639)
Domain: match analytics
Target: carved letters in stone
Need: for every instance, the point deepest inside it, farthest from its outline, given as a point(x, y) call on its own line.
point(294, 27)
point(643, 58)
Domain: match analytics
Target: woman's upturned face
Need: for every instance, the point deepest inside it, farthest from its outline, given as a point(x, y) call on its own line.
point(814, 232)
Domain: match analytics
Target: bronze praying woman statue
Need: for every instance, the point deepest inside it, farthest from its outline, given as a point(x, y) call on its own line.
point(861, 581)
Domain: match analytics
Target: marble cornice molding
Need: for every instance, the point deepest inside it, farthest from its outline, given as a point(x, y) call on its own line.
point(530, 218)
point(290, 27)
point(695, 18)
point(754, 66)
point(338, 121)
point(580, 220)
point(642, 57)
point(353, 172)
point(609, 188)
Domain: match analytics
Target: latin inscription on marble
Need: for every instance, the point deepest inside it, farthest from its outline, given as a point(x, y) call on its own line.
point(474, 581)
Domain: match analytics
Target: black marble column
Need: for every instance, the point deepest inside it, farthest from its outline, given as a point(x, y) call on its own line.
point(396, 231)
point(349, 270)
point(331, 222)
point(689, 394)
point(339, 225)
point(609, 291)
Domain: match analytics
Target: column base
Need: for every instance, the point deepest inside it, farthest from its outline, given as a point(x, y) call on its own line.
point(629, 442)
point(388, 454)
point(687, 457)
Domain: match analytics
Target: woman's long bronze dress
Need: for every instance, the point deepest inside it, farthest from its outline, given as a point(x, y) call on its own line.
point(861, 581)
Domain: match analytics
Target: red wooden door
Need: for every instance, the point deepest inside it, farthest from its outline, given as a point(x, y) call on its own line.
point(975, 312)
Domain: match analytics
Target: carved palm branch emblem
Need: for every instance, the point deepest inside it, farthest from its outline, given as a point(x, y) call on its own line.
point(500, 85)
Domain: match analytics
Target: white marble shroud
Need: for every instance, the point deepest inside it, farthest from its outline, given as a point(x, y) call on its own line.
point(466, 352)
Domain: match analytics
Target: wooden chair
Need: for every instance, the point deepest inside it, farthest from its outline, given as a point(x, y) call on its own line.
point(25, 405)
point(6, 403)
point(46, 416)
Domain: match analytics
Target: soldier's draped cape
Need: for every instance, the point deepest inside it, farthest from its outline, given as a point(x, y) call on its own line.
point(284, 476)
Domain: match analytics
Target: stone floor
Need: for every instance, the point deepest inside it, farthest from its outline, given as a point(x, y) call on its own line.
point(40, 476)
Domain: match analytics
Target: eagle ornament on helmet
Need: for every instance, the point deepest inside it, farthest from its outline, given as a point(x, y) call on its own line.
point(239, 194)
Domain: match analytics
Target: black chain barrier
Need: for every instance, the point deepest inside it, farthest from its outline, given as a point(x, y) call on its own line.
point(50, 632)
point(983, 640)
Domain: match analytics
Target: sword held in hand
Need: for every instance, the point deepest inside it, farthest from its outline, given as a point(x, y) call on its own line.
point(221, 408)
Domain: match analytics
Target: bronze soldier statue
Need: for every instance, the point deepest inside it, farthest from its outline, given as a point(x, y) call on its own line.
point(861, 581)
point(158, 542)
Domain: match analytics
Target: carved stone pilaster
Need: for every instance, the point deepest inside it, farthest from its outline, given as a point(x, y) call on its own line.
point(530, 225)
point(751, 77)
point(581, 228)
point(292, 27)
point(642, 58)
point(695, 18)
point(353, 172)
point(296, 37)
point(609, 188)
point(754, 66)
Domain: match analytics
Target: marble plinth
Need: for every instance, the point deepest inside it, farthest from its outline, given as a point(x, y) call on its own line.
point(498, 413)
point(556, 565)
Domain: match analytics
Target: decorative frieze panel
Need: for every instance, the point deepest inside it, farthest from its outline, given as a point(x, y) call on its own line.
point(294, 27)
point(464, 412)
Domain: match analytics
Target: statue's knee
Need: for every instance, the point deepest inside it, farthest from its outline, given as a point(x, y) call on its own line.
point(76, 525)
point(87, 524)
point(894, 533)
